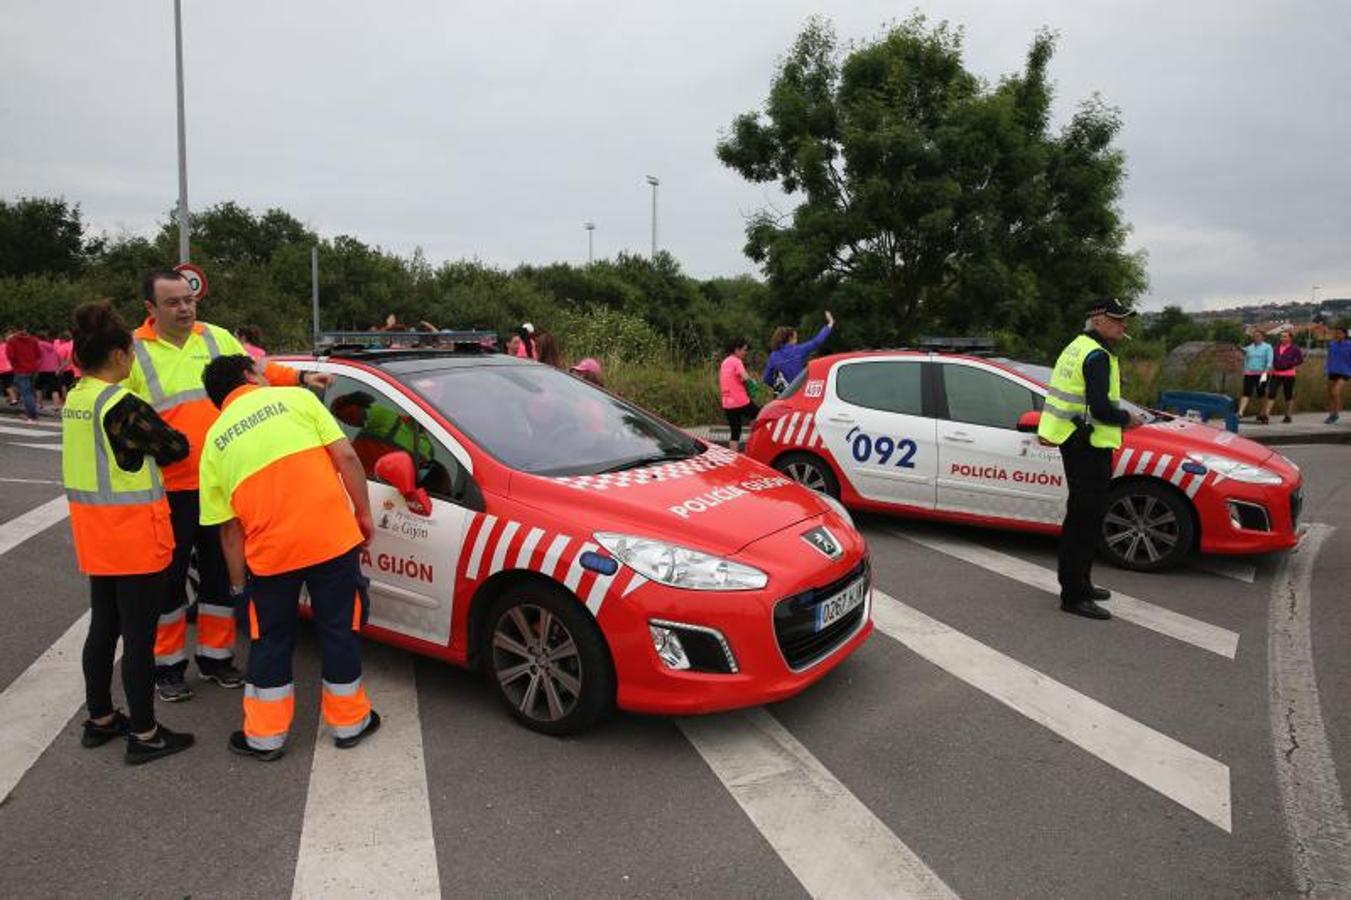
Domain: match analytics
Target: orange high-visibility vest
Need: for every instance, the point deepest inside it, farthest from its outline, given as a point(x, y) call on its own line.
point(120, 519)
point(169, 378)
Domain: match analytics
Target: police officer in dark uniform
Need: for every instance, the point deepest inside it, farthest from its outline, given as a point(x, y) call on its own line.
point(1083, 418)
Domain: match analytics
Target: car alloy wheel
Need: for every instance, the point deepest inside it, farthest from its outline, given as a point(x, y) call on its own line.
point(809, 471)
point(536, 663)
point(1147, 527)
point(547, 659)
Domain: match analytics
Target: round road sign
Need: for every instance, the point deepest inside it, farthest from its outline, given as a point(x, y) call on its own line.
point(195, 277)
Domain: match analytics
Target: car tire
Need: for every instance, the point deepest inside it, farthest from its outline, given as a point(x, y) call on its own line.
point(561, 685)
point(809, 470)
point(1148, 527)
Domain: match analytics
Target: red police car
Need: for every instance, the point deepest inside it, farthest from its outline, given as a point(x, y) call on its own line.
point(948, 436)
point(582, 551)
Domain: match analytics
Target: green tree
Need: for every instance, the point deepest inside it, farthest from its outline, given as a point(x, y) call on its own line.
point(1230, 331)
point(40, 235)
point(926, 198)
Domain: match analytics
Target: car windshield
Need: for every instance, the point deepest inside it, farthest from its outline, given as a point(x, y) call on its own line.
point(539, 420)
point(1042, 376)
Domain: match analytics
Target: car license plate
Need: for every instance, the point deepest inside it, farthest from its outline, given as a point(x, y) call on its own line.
point(837, 606)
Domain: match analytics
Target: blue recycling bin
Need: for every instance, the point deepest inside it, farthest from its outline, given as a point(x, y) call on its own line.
point(1206, 404)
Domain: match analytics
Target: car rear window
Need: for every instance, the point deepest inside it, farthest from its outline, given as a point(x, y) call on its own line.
point(540, 420)
point(888, 385)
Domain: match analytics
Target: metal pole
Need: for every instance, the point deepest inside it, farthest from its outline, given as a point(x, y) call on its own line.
point(590, 242)
point(654, 182)
point(314, 290)
point(182, 138)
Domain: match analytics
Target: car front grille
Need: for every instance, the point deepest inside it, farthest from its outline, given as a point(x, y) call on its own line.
point(795, 622)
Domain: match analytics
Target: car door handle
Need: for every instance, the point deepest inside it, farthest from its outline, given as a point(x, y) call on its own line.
point(959, 438)
point(841, 419)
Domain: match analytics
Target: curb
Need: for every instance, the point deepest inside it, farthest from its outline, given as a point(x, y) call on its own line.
point(1331, 436)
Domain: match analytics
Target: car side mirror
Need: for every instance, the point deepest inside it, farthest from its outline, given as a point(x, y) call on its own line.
point(396, 469)
point(1029, 421)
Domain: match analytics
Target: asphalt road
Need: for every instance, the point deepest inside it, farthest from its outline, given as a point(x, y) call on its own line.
point(1001, 748)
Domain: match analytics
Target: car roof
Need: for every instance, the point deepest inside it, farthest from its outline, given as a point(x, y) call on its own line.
point(1023, 369)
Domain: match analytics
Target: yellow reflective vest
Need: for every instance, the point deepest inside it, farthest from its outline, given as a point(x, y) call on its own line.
point(1066, 397)
point(120, 519)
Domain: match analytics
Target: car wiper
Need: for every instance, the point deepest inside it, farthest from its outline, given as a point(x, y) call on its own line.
point(650, 459)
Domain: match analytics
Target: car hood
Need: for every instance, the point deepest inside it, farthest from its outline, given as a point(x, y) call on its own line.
point(1180, 436)
point(719, 501)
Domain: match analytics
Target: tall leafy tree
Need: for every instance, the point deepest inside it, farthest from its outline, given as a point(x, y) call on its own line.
point(927, 198)
point(40, 235)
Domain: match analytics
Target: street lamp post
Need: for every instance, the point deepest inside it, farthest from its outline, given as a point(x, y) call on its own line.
point(654, 181)
point(182, 137)
point(590, 242)
point(1313, 316)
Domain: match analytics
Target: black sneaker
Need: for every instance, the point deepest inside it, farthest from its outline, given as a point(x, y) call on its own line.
point(96, 735)
point(240, 744)
point(223, 672)
point(347, 743)
point(172, 688)
point(162, 743)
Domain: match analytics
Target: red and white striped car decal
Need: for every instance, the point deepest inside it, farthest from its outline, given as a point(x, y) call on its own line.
point(796, 430)
point(496, 544)
point(1166, 467)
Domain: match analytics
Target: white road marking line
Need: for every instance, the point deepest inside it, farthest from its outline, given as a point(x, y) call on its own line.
point(28, 481)
point(1315, 813)
point(553, 554)
point(830, 841)
point(1183, 775)
point(30, 524)
point(368, 822)
point(56, 447)
point(39, 703)
point(528, 548)
point(1229, 568)
point(40, 423)
point(503, 545)
point(1175, 625)
point(27, 432)
point(480, 541)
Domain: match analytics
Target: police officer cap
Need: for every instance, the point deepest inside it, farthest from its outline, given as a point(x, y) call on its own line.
point(1110, 306)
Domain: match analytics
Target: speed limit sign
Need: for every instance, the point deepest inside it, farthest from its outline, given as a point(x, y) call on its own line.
point(195, 278)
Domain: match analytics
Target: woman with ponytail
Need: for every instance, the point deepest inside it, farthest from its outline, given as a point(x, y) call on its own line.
point(112, 446)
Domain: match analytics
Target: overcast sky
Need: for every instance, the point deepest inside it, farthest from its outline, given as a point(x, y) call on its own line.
point(494, 130)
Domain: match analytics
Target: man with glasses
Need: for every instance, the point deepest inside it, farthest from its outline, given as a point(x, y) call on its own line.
point(172, 349)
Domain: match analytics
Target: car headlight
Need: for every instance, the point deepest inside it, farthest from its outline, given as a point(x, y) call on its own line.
point(680, 567)
point(1232, 468)
point(838, 507)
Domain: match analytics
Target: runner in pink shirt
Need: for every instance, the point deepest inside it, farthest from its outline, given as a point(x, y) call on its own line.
point(737, 405)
